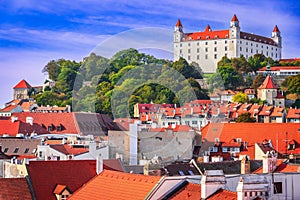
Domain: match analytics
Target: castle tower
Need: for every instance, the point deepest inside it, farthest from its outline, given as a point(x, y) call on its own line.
point(234, 27)
point(178, 31)
point(276, 36)
point(267, 90)
point(21, 90)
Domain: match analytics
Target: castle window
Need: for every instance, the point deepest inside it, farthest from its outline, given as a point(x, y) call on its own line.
point(198, 42)
point(189, 44)
point(180, 51)
point(198, 50)
point(189, 57)
point(206, 43)
point(215, 48)
point(189, 50)
point(251, 50)
point(241, 42)
point(226, 36)
point(207, 37)
point(206, 56)
point(225, 41)
point(180, 45)
point(246, 43)
point(262, 46)
point(206, 49)
point(16, 150)
point(216, 56)
point(256, 45)
point(226, 48)
point(241, 48)
point(251, 44)
point(246, 49)
point(215, 42)
point(267, 53)
point(267, 47)
point(198, 57)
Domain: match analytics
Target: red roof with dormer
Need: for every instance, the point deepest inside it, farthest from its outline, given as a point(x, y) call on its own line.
point(268, 84)
point(276, 29)
point(207, 29)
point(234, 18)
point(23, 85)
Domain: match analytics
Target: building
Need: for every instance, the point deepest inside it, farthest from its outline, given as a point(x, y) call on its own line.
point(280, 70)
point(269, 92)
point(22, 89)
point(208, 47)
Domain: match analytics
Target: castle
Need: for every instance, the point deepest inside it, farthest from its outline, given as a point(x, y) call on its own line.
point(208, 47)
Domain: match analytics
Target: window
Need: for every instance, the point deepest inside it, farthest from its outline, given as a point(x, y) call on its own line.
point(50, 128)
point(198, 50)
point(5, 150)
point(215, 48)
point(198, 57)
point(194, 122)
point(16, 150)
point(197, 43)
point(277, 187)
point(206, 56)
point(64, 197)
point(26, 150)
point(225, 48)
point(180, 51)
point(213, 149)
point(206, 43)
point(225, 41)
point(189, 50)
point(216, 56)
point(241, 48)
point(58, 128)
point(189, 57)
point(189, 44)
point(206, 49)
point(40, 154)
point(215, 42)
point(180, 45)
point(181, 173)
point(191, 172)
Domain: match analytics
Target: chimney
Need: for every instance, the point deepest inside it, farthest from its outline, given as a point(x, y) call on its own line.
point(14, 119)
point(29, 120)
point(245, 165)
point(92, 148)
point(269, 162)
point(211, 181)
point(99, 164)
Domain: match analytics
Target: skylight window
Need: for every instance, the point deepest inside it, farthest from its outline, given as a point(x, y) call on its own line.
point(181, 173)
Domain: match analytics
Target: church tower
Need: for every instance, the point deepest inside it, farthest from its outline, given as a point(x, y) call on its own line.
point(276, 36)
point(234, 28)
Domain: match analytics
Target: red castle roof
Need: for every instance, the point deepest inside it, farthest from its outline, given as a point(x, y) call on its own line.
point(207, 29)
point(268, 84)
point(276, 29)
point(22, 85)
point(234, 18)
point(178, 23)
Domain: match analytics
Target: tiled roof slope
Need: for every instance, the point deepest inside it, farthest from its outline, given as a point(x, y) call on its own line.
point(268, 84)
point(191, 191)
point(254, 133)
point(13, 128)
point(22, 85)
point(45, 175)
point(14, 188)
point(224, 195)
point(116, 185)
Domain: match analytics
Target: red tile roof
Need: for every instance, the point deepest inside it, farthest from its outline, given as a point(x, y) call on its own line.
point(268, 84)
point(255, 133)
point(234, 18)
point(59, 189)
point(207, 28)
point(22, 85)
point(223, 194)
point(276, 29)
point(289, 59)
point(293, 113)
point(112, 185)
point(279, 68)
point(208, 35)
point(65, 120)
point(69, 149)
point(14, 188)
point(9, 108)
point(281, 166)
point(257, 38)
point(45, 175)
point(191, 191)
point(178, 23)
point(13, 128)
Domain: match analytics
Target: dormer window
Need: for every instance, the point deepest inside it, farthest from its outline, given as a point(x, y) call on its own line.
point(62, 192)
point(50, 128)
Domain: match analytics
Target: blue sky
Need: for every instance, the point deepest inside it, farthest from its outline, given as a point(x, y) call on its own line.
point(34, 32)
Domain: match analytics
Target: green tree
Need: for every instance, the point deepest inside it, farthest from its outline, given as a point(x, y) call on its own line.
point(230, 77)
point(245, 117)
point(292, 84)
point(258, 80)
point(240, 97)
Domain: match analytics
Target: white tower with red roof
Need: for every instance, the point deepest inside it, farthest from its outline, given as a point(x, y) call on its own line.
point(21, 90)
point(276, 36)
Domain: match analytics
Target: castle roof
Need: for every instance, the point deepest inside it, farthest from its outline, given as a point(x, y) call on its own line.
point(276, 29)
point(234, 18)
point(178, 23)
point(207, 29)
point(268, 84)
point(22, 85)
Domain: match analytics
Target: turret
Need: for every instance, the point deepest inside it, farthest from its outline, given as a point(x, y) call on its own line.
point(234, 27)
point(178, 31)
point(276, 36)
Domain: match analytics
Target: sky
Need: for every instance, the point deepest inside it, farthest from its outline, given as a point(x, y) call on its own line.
point(32, 33)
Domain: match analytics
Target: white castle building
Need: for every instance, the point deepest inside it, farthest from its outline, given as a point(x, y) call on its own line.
point(208, 47)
